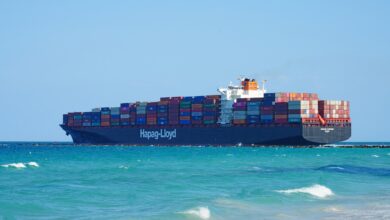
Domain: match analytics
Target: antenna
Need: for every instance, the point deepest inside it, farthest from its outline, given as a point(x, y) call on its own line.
point(263, 86)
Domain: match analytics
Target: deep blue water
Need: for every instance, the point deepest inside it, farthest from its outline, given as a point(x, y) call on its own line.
point(62, 181)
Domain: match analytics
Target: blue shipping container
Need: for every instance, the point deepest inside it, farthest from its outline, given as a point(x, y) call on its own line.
point(185, 122)
point(185, 113)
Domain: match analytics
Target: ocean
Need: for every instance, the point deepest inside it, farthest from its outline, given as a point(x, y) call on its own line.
point(65, 181)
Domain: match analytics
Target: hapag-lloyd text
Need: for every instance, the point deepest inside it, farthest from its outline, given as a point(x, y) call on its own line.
point(157, 134)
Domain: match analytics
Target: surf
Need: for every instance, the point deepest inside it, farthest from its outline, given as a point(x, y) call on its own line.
point(315, 190)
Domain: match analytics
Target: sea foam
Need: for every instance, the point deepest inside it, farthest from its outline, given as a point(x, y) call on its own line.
point(316, 190)
point(15, 165)
point(33, 164)
point(200, 212)
point(21, 165)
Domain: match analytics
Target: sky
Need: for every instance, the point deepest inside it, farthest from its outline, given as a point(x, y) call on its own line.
point(65, 56)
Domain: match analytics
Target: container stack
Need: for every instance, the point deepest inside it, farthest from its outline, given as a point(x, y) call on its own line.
point(151, 113)
point(226, 113)
point(115, 116)
point(185, 111)
point(141, 113)
point(70, 119)
point(253, 111)
point(133, 114)
point(125, 114)
point(296, 96)
point(197, 110)
point(162, 112)
point(65, 119)
point(105, 117)
point(298, 110)
point(277, 97)
point(95, 119)
point(174, 110)
point(211, 109)
point(87, 119)
point(268, 106)
point(239, 112)
point(77, 119)
point(281, 112)
point(334, 109)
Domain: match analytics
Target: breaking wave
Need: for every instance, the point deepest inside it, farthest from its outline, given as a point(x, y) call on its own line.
point(21, 165)
point(316, 190)
point(200, 212)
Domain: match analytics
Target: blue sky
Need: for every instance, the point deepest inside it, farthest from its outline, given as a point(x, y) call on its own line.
point(62, 56)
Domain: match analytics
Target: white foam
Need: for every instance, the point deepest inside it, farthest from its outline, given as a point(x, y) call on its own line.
point(33, 164)
point(332, 209)
point(123, 167)
point(15, 165)
point(200, 212)
point(337, 168)
point(316, 190)
point(374, 155)
point(21, 165)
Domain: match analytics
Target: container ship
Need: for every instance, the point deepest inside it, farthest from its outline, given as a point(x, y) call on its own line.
point(238, 115)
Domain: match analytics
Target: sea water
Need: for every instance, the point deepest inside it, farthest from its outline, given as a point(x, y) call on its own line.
point(64, 181)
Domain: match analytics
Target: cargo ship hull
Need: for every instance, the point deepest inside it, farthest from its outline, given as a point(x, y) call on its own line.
point(210, 136)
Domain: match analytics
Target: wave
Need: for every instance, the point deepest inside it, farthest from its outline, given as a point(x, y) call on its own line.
point(123, 167)
point(15, 165)
point(355, 170)
point(21, 165)
point(374, 155)
point(200, 212)
point(316, 190)
point(33, 164)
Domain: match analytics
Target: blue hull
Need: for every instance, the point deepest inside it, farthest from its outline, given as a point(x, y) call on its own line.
point(298, 134)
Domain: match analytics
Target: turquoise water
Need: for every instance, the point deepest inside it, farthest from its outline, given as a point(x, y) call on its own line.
point(43, 181)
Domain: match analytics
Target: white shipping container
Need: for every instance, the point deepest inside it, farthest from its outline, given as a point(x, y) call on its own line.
point(124, 116)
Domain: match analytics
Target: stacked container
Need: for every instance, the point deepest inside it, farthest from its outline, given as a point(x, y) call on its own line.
point(296, 96)
point(141, 113)
point(174, 110)
point(298, 110)
point(65, 119)
point(125, 114)
point(197, 110)
point(95, 119)
point(115, 116)
point(268, 106)
point(162, 112)
point(239, 111)
point(253, 111)
point(105, 116)
point(151, 113)
point(78, 119)
point(185, 111)
point(87, 119)
point(70, 119)
point(277, 97)
point(334, 109)
point(281, 112)
point(211, 109)
point(133, 114)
